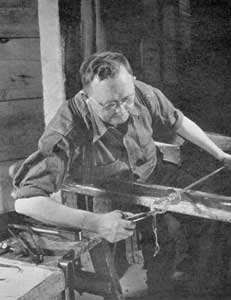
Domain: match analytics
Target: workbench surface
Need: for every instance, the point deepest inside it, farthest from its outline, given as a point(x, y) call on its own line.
point(26, 281)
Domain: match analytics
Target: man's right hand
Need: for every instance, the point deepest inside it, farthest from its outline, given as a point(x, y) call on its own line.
point(110, 226)
point(113, 228)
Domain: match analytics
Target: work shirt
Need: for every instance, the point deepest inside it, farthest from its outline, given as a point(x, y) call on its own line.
point(77, 144)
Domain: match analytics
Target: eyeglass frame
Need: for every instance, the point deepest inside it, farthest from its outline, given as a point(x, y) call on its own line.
point(108, 107)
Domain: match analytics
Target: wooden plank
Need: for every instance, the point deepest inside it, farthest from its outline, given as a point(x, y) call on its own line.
point(70, 33)
point(195, 203)
point(20, 69)
point(18, 3)
point(20, 79)
point(21, 125)
point(25, 281)
point(222, 141)
point(101, 43)
point(26, 49)
point(88, 28)
point(18, 22)
point(51, 57)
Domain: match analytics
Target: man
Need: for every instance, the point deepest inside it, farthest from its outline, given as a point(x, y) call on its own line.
point(105, 131)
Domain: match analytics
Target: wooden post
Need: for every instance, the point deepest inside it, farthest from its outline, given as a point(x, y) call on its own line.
point(87, 27)
point(185, 24)
point(169, 43)
point(51, 57)
point(69, 12)
point(150, 44)
point(100, 30)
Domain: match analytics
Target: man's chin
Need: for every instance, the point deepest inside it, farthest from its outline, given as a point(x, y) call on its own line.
point(119, 120)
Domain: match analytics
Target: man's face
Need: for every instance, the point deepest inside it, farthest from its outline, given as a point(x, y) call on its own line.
point(113, 98)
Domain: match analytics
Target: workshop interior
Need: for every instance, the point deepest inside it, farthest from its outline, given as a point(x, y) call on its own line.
point(182, 48)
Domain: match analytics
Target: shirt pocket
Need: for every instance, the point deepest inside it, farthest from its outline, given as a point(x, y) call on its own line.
point(111, 169)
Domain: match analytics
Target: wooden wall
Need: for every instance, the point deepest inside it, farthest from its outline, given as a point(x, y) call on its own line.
point(21, 105)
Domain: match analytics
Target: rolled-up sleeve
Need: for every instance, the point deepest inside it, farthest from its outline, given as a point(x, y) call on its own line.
point(164, 112)
point(166, 119)
point(43, 172)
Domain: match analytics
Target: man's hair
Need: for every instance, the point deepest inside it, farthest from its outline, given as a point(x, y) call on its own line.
point(104, 65)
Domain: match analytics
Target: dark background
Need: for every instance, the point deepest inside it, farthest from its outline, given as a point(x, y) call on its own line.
point(181, 47)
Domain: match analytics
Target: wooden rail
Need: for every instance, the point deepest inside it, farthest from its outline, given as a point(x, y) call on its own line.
point(194, 203)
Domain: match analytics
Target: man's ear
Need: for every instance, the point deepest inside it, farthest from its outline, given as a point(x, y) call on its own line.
point(84, 94)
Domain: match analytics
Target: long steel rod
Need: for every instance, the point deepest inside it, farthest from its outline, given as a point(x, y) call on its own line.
point(202, 179)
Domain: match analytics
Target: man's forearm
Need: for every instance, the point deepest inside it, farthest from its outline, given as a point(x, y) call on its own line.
point(48, 211)
point(192, 132)
point(110, 226)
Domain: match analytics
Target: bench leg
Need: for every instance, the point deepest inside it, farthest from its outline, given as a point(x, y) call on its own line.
point(67, 265)
point(103, 263)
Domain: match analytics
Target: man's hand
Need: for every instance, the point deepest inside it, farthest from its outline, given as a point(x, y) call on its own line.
point(226, 159)
point(113, 227)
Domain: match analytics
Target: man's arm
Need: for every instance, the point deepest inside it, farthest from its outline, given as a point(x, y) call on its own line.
point(193, 133)
point(110, 225)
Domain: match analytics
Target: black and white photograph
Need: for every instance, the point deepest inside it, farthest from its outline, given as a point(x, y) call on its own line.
point(115, 150)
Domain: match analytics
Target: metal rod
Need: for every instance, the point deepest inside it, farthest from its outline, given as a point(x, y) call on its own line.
point(136, 216)
point(58, 232)
point(202, 179)
point(35, 229)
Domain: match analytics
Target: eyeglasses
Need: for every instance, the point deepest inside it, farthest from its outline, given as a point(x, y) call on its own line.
point(113, 105)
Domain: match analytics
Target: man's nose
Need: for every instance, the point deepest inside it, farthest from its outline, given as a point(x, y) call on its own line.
point(120, 106)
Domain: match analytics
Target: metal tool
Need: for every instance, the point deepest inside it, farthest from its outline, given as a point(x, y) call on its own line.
point(6, 247)
point(11, 266)
point(138, 217)
point(63, 233)
point(35, 255)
